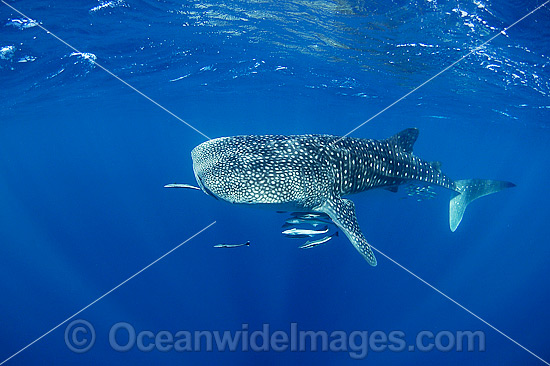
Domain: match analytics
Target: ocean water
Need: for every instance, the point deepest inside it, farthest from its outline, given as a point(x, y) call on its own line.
point(84, 158)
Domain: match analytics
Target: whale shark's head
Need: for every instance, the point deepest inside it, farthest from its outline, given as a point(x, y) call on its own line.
point(250, 170)
point(237, 170)
point(212, 167)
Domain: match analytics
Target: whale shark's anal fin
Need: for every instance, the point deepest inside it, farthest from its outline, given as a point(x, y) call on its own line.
point(469, 190)
point(342, 212)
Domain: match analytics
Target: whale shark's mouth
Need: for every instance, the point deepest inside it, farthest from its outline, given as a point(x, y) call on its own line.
point(205, 188)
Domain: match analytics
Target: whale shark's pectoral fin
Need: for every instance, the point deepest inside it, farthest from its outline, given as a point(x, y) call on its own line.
point(342, 212)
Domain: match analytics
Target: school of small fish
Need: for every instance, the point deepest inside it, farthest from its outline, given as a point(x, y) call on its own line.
point(420, 192)
point(298, 220)
point(294, 227)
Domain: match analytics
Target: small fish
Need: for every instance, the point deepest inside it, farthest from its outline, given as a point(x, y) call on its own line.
point(247, 244)
point(314, 243)
point(295, 231)
point(181, 185)
point(421, 193)
point(298, 221)
point(308, 215)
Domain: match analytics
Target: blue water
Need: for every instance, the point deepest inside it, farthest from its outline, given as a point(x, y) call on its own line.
point(83, 161)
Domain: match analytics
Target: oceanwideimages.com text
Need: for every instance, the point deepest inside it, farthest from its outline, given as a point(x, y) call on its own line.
point(80, 337)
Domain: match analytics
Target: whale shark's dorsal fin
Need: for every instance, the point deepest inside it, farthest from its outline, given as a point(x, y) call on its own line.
point(405, 139)
point(342, 212)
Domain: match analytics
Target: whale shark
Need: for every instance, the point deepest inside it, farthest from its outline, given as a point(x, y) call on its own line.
point(312, 173)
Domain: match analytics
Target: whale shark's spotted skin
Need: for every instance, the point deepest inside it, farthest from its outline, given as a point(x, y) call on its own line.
point(312, 173)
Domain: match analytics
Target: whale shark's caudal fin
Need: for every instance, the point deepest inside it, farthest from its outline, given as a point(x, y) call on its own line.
point(469, 190)
point(342, 212)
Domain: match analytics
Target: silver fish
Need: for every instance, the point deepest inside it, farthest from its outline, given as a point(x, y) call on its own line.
point(181, 185)
point(309, 215)
point(295, 231)
point(232, 245)
point(298, 221)
point(314, 243)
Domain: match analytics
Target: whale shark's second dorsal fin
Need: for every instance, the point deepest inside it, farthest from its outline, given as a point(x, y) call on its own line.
point(436, 165)
point(405, 139)
point(342, 212)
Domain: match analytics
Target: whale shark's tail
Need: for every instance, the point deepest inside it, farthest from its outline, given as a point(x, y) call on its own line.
point(469, 190)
